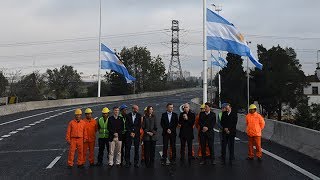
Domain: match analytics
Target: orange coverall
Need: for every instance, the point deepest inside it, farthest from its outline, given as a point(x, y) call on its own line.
point(92, 128)
point(75, 136)
point(255, 124)
point(199, 148)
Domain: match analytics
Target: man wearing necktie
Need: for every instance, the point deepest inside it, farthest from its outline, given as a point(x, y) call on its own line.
point(169, 122)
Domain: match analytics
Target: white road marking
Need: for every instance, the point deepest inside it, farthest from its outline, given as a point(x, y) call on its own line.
point(1, 139)
point(13, 132)
point(32, 124)
point(53, 162)
point(30, 150)
point(5, 136)
point(290, 164)
point(26, 126)
point(20, 129)
point(237, 139)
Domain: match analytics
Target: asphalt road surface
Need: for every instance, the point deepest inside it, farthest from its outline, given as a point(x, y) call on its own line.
point(33, 146)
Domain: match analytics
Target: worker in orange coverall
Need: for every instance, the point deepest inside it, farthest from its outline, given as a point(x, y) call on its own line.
point(92, 128)
point(76, 135)
point(255, 124)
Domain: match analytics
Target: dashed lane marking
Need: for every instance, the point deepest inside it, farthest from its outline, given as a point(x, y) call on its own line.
point(20, 129)
point(13, 132)
point(5, 136)
point(53, 162)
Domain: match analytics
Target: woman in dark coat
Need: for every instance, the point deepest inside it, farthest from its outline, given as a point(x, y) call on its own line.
point(149, 126)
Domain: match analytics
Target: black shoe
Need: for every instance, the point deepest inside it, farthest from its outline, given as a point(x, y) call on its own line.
point(99, 164)
point(110, 166)
point(202, 162)
point(127, 165)
point(69, 167)
point(118, 165)
point(173, 162)
point(136, 165)
point(249, 158)
point(260, 159)
point(92, 165)
point(81, 166)
point(233, 158)
point(189, 162)
point(230, 162)
point(212, 162)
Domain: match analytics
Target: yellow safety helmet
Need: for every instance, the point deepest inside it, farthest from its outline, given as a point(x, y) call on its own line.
point(252, 106)
point(88, 111)
point(78, 112)
point(105, 110)
point(202, 106)
point(145, 108)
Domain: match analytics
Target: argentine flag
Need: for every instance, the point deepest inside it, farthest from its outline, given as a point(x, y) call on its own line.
point(216, 62)
point(223, 36)
point(111, 61)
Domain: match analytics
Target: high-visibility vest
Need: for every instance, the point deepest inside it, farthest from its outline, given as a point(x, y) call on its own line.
point(103, 132)
point(124, 123)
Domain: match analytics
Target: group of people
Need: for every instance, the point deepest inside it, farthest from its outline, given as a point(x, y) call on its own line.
point(119, 131)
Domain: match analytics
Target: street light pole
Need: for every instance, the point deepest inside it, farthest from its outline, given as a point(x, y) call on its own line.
point(205, 66)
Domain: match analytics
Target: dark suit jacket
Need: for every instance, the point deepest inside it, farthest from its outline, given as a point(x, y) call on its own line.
point(133, 127)
point(208, 121)
point(115, 126)
point(230, 122)
point(172, 125)
point(186, 130)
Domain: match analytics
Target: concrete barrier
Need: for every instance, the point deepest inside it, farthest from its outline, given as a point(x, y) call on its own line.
point(33, 105)
point(298, 138)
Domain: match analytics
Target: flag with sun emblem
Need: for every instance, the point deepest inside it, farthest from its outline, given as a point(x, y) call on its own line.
point(224, 36)
point(111, 61)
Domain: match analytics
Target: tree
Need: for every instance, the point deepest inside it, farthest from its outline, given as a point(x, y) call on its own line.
point(118, 84)
point(64, 82)
point(281, 80)
point(31, 87)
point(93, 89)
point(149, 71)
point(233, 82)
point(3, 84)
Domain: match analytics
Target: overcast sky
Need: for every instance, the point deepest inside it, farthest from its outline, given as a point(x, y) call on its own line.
point(41, 34)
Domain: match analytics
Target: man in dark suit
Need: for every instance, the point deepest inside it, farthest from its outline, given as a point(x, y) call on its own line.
point(229, 121)
point(207, 121)
point(186, 123)
point(169, 122)
point(133, 125)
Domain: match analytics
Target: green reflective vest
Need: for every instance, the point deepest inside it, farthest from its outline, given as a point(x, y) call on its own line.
point(124, 123)
point(103, 131)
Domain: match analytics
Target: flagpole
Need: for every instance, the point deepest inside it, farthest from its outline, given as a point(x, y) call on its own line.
point(248, 81)
point(219, 77)
point(211, 79)
point(205, 66)
point(99, 70)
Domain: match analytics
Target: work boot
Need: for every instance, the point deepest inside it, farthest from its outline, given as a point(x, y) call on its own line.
point(92, 165)
point(202, 162)
point(99, 164)
point(249, 158)
point(259, 159)
point(81, 166)
point(69, 167)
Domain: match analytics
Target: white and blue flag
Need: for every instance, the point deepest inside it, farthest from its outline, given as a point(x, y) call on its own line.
point(217, 62)
point(223, 35)
point(110, 61)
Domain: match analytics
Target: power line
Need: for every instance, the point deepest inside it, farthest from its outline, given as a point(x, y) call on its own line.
point(142, 33)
